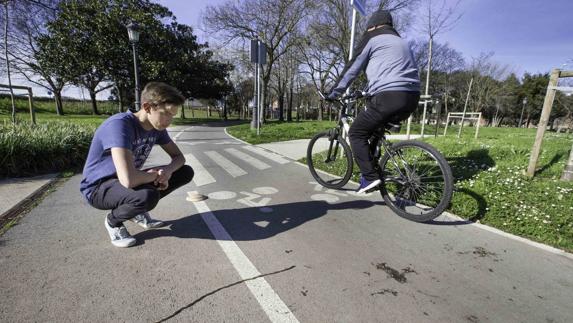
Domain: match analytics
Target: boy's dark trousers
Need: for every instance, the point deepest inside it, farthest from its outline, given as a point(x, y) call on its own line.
point(390, 106)
point(126, 203)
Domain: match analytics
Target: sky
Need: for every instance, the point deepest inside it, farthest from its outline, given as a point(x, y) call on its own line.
point(531, 36)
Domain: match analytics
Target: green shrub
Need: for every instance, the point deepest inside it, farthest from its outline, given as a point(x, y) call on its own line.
point(51, 146)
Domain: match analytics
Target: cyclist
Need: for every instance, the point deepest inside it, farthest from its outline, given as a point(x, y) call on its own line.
point(393, 88)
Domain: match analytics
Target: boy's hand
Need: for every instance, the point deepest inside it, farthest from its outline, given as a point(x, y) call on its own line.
point(163, 176)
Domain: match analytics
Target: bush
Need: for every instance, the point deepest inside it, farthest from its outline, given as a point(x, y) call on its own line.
point(49, 147)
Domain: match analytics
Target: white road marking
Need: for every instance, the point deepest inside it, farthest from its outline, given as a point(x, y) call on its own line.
point(202, 176)
point(268, 299)
point(248, 159)
point(222, 195)
point(265, 190)
point(176, 137)
point(191, 143)
point(226, 164)
point(272, 156)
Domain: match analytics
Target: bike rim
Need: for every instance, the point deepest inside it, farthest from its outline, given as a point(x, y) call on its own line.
point(329, 161)
point(414, 181)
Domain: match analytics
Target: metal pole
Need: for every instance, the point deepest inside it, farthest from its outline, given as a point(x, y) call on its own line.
point(465, 107)
point(352, 31)
point(258, 101)
point(136, 71)
point(427, 86)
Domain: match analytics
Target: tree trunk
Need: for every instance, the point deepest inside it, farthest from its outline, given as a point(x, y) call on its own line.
point(8, 61)
point(59, 106)
point(289, 111)
point(119, 98)
point(320, 106)
point(281, 107)
point(94, 102)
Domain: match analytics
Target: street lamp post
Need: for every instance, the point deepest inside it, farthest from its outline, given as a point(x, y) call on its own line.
point(133, 33)
point(522, 109)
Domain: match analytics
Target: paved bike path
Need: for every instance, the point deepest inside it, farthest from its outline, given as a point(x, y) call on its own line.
point(326, 256)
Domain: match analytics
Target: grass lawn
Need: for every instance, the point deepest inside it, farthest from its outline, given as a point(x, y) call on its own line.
point(491, 187)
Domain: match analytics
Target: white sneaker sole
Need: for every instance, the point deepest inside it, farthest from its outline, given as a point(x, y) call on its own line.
point(369, 187)
point(124, 243)
point(152, 225)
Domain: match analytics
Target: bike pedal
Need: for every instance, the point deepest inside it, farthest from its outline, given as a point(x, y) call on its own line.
point(374, 189)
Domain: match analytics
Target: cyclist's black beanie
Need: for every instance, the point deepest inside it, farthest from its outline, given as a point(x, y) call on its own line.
point(380, 17)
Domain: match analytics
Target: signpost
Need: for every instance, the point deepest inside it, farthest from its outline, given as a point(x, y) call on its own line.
point(258, 57)
point(357, 5)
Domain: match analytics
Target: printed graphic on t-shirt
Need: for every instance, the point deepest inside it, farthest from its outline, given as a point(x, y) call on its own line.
point(142, 149)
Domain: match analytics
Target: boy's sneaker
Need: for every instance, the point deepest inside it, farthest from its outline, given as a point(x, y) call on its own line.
point(146, 222)
point(366, 185)
point(119, 236)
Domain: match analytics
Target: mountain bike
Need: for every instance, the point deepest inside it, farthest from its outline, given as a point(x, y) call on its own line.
point(417, 182)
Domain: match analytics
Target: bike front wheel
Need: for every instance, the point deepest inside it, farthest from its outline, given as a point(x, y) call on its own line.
point(418, 181)
point(329, 159)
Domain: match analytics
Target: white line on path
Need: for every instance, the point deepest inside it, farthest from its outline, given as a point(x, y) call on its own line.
point(202, 176)
point(272, 156)
point(251, 160)
point(270, 302)
point(226, 164)
point(180, 133)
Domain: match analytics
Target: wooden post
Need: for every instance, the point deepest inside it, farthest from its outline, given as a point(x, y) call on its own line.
point(568, 171)
point(547, 104)
point(447, 122)
point(465, 107)
point(477, 126)
point(31, 104)
point(408, 127)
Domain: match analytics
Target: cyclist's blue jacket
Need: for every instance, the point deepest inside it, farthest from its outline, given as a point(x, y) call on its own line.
point(387, 60)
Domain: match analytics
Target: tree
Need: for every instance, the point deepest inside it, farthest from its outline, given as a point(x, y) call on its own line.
point(242, 20)
point(30, 18)
point(7, 66)
point(436, 21)
point(534, 88)
point(94, 48)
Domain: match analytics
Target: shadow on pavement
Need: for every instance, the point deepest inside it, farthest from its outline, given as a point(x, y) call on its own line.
point(251, 223)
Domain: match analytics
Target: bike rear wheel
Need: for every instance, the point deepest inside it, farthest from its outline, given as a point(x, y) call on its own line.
point(418, 181)
point(329, 159)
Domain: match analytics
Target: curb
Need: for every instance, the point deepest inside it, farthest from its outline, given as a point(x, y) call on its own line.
point(17, 209)
point(532, 243)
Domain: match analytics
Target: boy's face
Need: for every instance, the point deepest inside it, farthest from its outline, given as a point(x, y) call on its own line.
point(160, 116)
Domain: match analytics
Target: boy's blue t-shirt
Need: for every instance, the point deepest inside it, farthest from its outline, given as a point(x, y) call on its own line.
point(122, 130)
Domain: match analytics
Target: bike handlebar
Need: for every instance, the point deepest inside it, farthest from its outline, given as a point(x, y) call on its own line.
point(352, 95)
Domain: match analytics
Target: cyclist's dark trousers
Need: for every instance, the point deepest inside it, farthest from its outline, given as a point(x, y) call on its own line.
point(125, 203)
point(390, 106)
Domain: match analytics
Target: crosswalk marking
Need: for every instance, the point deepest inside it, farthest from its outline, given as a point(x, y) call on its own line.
point(202, 176)
point(226, 164)
point(272, 156)
point(251, 160)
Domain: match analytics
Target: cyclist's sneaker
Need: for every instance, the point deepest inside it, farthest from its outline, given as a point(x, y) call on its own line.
point(366, 185)
point(146, 222)
point(119, 236)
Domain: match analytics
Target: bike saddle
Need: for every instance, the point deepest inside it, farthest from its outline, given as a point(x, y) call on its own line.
point(393, 127)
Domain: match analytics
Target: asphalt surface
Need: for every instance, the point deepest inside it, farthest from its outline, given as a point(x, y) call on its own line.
point(269, 245)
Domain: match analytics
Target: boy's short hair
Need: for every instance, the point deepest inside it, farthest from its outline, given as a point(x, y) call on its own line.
point(157, 93)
